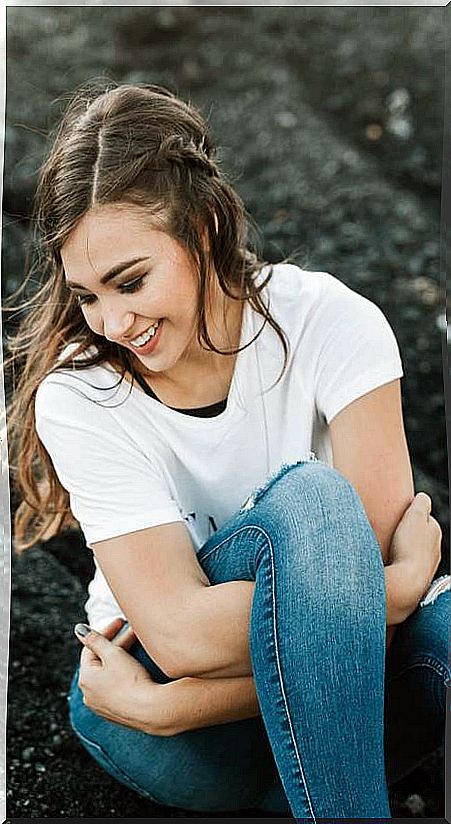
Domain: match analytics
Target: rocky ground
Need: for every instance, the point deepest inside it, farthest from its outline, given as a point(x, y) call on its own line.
point(329, 122)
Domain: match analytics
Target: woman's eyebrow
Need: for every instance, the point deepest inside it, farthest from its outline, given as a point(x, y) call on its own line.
point(112, 273)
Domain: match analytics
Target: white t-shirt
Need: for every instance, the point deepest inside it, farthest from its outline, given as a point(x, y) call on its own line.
point(129, 462)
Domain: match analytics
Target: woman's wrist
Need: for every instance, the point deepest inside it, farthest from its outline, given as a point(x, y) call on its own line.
point(405, 586)
point(191, 703)
point(155, 710)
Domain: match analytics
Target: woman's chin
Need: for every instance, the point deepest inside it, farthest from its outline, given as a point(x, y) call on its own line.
point(157, 362)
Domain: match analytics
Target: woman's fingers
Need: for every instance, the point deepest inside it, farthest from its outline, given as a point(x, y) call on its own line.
point(125, 638)
point(113, 628)
point(422, 503)
point(88, 658)
point(97, 643)
point(418, 535)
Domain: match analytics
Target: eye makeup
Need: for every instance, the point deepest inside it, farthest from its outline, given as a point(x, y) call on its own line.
point(127, 288)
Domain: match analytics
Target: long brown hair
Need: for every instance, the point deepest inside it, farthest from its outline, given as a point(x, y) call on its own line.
point(119, 143)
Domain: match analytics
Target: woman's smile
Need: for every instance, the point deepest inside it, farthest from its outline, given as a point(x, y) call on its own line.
point(146, 342)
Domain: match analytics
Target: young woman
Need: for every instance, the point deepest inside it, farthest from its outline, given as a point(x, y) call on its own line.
point(174, 389)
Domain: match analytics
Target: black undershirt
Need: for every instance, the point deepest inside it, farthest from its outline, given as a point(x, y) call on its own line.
point(200, 412)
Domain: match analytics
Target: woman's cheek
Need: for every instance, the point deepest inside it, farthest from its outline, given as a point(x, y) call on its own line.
point(93, 319)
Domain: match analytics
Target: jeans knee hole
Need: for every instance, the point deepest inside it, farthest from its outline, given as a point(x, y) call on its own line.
point(272, 479)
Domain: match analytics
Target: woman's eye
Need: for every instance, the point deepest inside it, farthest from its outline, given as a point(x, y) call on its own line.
point(133, 285)
point(85, 299)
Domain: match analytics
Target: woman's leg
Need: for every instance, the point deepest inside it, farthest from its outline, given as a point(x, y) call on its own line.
point(417, 686)
point(317, 639)
point(220, 768)
point(418, 672)
point(317, 636)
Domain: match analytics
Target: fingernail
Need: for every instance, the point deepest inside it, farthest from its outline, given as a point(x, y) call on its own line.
point(82, 629)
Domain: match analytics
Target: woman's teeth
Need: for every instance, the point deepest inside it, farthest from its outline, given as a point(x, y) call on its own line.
point(141, 340)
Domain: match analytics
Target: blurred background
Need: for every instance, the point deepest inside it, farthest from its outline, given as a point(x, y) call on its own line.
point(330, 125)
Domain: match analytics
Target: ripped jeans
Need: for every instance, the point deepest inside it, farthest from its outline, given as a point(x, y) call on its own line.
point(324, 747)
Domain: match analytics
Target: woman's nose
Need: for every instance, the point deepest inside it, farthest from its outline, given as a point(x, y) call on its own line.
point(116, 324)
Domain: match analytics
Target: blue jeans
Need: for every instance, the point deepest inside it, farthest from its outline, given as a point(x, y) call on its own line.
point(317, 642)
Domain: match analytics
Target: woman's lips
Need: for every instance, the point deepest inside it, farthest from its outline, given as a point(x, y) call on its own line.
point(151, 344)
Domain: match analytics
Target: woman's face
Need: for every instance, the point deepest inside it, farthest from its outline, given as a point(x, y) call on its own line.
point(136, 285)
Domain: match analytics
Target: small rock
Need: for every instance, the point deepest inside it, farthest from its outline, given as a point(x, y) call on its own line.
point(27, 753)
point(287, 120)
point(374, 131)
point(398, 100)
point(415, 804)
point(415, 265)
point(40, 768)
point(400, 126)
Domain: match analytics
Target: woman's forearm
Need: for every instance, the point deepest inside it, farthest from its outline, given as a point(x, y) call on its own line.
point(219, 640)
point(192, 703)
point(209, 637)
point(219, 637)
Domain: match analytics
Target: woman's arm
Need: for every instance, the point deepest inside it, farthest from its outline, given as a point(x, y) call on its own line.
point(158, 709)
point(187, 626)
point(370, 449)
point(192, 628)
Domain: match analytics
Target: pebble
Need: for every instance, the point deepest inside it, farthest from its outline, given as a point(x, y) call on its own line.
point(415, 804)
point(27, 753)
point(287, 120)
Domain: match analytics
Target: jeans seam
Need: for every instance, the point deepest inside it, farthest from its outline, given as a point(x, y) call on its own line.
point(259, 529)
point(228, 538)
point(263, 532)
point(281, 684)
point(125, 778)
point(431, 663)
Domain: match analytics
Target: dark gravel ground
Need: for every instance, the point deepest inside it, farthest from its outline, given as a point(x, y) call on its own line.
point(330, 126)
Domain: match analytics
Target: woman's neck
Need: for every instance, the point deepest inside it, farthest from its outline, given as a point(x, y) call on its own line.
point(201, 377)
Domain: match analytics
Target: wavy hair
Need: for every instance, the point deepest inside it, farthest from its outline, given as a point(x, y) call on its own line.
point(116, 144)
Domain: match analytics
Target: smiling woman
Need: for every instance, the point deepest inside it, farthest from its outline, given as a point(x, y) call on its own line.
point(147, 302)
point(154, 406)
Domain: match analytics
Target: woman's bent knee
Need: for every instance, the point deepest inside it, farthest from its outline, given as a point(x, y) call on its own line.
point(311, 507)
point(310, 491)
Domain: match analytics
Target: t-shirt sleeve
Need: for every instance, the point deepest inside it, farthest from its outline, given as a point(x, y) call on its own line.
point(356, 348)
point(114, 488)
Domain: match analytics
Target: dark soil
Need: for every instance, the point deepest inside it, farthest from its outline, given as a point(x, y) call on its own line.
point(329, 122)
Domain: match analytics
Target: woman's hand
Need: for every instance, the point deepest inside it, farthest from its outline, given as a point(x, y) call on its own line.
point(117, 687)
point(415, 550)
point(114, 684)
